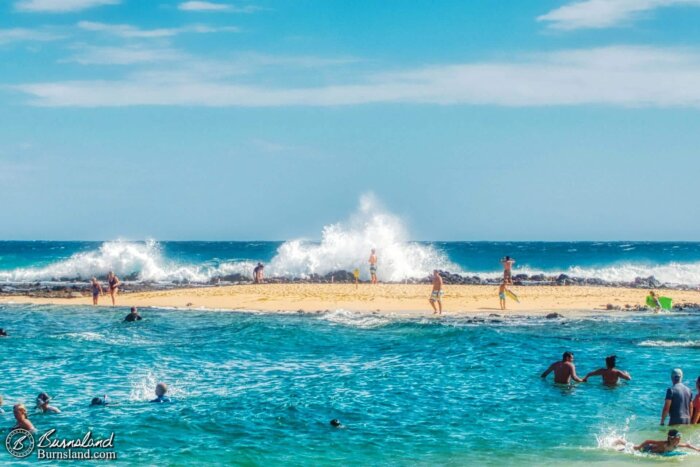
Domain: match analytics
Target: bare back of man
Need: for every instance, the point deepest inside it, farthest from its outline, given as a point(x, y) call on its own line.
point(564, 370)
point(611, 376)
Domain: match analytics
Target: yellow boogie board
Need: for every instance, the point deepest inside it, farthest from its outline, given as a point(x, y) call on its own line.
point(511, 295)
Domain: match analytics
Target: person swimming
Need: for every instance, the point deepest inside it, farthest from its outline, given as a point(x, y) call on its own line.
point(133, 316)
point(42, 404)
point(672, 442)
point(610, 374)
point(99, 401)
point(161, 390)
point(3, 333)
point(335, 423)
point(22, 419)
point(564, 371)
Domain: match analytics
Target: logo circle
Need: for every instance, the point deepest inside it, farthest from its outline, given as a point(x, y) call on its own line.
point(19, 443)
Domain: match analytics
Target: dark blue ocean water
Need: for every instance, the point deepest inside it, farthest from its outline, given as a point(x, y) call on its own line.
point(260, 389)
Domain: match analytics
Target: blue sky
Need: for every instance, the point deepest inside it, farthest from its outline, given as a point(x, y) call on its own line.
point(528, 120)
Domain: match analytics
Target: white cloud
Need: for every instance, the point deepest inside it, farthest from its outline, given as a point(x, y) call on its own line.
point(130, 55)
point(590, 14)
point(60, 6)
point(211, 6)
point(26, 35)
point(203, 6)
point(618, 76)
point(129, 31)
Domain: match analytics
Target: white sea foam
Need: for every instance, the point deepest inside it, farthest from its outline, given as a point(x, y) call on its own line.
point(355, 319)
point(346, 245)
point(343, 246)
point(671, 273)
point(143, 259)
point(653, 343)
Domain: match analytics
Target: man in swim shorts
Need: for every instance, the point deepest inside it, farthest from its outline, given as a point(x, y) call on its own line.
point(133, 316)
point(651, 446)
point(677, 403)
point(610, 374)
point(373, 266)
point(564, 371)
point(507, 263)
point(502, 295)
point(161, 389)
point(437, 293)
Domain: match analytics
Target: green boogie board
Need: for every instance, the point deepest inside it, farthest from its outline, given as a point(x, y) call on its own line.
point(666, 302)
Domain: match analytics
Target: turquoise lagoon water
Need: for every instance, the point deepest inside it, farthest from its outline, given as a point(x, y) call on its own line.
point(260, 389)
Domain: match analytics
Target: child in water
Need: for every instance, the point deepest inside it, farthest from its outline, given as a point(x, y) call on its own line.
point(161, 389)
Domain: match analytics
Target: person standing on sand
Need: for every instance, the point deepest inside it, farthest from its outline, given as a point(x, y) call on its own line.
point(564, 371)
point(97, 290)
point(678, 401)
point(655, 299)
point(610, 374)
point(373, 266)
point(502, 295)
point(437, 293)
point(113, 283)
point(258, 276)
point(356, 275)
point(507, 263)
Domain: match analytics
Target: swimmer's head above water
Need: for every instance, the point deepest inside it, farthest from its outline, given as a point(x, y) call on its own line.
point(99, 400)
point(42, 400)
point(161, 389)
point(567, 357)
point(611, 361)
